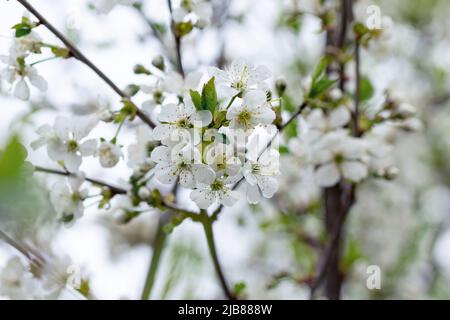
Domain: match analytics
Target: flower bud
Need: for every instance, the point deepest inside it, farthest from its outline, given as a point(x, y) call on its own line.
point(109, 154)
point(280, 86)
point(144, 193)
point(140, 69)
point(158, 62)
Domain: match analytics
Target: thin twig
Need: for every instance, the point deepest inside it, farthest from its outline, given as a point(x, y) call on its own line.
point(77, 54)
point(177, 37)
point(114, 189)
point(208, 228)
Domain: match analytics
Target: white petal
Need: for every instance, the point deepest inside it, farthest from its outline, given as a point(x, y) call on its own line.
point(62, 127)
point(255, 98)
point(201, 118)
point(88, 147)
point(193, 79)
point(339, 117)
point(39, 82)
point(354, 170)
point(327, 175)
point(169, 113)
point(186, 179)
point(163, 131)
point(229, 198)
point(265, 115)
point(268, 186)
point(56, 150)
point(72, 161)
point(21, 90)
point(253, 194)
point(204, 198)
point(203, 174)
point(160, 154)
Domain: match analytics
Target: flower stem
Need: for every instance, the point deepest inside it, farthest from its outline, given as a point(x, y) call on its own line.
point(77, 54)
point(43, 60)
point(208, 228)
point(156, 258)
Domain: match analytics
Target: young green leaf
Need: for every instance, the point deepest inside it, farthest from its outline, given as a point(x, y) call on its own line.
point(209, 96)
point(196, 99)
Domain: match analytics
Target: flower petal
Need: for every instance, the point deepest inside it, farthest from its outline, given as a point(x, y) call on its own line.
point(327, 175)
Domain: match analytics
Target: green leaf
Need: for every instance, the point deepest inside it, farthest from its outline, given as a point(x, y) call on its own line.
point(320, 87)
point(12, 159)
point(239, 288)
point(196, 99)
point(22, 29)
point(209, 96)
point(366, 89)
point(319, 72)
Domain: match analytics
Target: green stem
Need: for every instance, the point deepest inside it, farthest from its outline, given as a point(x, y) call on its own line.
point(208, 228)
point(43, 60)
point(154, 264)
point(232, 100)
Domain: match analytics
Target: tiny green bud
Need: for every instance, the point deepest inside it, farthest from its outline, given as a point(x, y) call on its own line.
point(158, 62)
point(131, 90)
point(281, 86)
point(140, 69)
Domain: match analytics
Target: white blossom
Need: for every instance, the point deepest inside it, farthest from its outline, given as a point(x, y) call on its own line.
point(139, 153)
point(337, 155)
point(109, 154)
point(105, 6)
point(253, 111)
point(175, 83)
point(18, 74)
point(198, 12)
point(65, 140)
point(260, 177)
point(67, 198)
point(241, 76)
point(181, 116)
point(214, 190)
point(182, 163)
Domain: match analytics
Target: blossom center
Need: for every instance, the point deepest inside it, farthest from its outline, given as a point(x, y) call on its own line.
point(244, 117)
point(217, 185)
point(72, 146)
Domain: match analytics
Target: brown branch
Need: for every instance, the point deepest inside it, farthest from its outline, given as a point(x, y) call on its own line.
point(77, 54)
point(177, 37)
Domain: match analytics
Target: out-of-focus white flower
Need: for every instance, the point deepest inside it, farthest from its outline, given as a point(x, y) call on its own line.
point(105, 6)
point(17, 73)
point(198, 12)
point(182, 116)
point(23, 46)
point(253, 111)
point(175, 83)
point(16, 282)
point(109, 154)
point(67, 198)
point(139, 153)
point(156, 90)
point(337, 156)
point(183, 164)
point(241, 76)
point(260, 175)
point(319, 123)
point(64, 140)
point(211, 190)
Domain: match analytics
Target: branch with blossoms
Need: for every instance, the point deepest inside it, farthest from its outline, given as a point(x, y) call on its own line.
point(214, 134)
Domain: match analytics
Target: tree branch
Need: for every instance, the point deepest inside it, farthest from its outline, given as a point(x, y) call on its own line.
point(77, 54)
